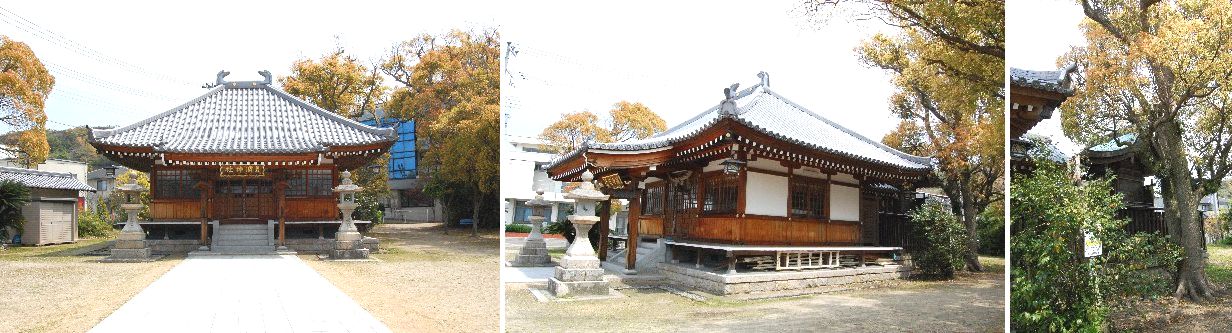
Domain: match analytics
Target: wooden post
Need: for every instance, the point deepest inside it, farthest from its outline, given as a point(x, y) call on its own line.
point(605, 217)
point(635, 212)
point(204, 187)
point(280, 190)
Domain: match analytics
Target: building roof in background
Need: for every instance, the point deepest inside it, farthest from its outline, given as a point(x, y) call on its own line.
point(44, 179)
point(102, 172)
point(1054, 81)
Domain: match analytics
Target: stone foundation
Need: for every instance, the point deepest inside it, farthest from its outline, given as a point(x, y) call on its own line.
point(686, 276)
point(167, 246)
point(305, 246)
point(533, 253)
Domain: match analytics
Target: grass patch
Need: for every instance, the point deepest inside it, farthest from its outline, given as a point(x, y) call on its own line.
point(58, 250)
point(1219, 265)
point(556, 253)
point(992, 264)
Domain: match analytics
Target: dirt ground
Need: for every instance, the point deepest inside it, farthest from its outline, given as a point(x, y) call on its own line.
point(969, 303)
point(51, 289)
point(1164, 313)
point(426, 281)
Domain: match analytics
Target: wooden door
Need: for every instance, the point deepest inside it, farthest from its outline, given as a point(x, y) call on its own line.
point(870, 208)
point(680, 215)
point(244, 199)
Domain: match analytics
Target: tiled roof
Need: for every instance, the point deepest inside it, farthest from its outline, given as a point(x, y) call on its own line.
point(244, 117)
point(44, 179)
point(768, 112)
point(102, 172)
point(1121, 142)
point(1054, 81)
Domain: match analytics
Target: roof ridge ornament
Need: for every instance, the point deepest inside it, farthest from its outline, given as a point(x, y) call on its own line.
point(728, 106)
point(221, 78)
point(269, 78)
point(765, 79)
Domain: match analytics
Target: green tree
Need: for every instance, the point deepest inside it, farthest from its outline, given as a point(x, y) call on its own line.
point(24, 86)
point(13, 197)
point(626, 121)
point(451, 88)
point(1054, 287)
point(118, 198)
point(1161, 70)
point(948, 61)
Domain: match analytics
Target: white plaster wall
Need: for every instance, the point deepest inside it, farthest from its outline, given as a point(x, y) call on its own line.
point(766, 164)
point(810, 172)
point(766, 195)
point(844, 203)
point(714, 165)
point(846, 178)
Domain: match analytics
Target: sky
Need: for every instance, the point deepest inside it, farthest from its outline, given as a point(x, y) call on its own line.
point(676, 58)
point(118, 62)
point(1039, 32)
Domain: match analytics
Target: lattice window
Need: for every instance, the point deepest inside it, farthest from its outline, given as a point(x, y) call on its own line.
point(176, 184)
point(721, 194)
point(794, 260)
point(310, 183)
point(808, 199)
point(652, 201)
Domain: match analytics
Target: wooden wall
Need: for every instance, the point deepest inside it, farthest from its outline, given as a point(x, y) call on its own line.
point(312, 209)
point(297, 209)
point(650, 226)
point(175, 210)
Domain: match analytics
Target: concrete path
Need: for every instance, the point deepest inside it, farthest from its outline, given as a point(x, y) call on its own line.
point(526, 274)
point(255, 293)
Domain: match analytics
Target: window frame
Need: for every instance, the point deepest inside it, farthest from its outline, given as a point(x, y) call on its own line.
point(817, 198)
point(300, 183)
point(653, 206)
point(182, 184)
point(728, 192)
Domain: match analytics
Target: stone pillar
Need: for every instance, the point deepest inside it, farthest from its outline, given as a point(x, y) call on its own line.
point(347, 239)
point(130, 244)
point(579, 272)
point(535, 251)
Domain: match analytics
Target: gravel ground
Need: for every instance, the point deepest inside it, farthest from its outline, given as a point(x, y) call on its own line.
point(425, 281)
point(50, 289)
point(969, 303)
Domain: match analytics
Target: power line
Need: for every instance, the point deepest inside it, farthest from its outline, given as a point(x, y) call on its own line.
point(50, 36)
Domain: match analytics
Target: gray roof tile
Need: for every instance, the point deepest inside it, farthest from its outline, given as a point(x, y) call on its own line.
point(244, 117)
point(772, 114)
point(44, 179)
point(1054, 81)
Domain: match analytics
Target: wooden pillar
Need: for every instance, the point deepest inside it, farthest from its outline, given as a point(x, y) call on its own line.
point(635, 212)
point(280, 190)
point(204, 187)
point(605, 217)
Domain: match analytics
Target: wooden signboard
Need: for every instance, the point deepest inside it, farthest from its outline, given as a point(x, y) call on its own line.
point(241, 171)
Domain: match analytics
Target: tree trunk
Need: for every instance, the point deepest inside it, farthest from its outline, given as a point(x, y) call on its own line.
point(475, 215)
point(1192, 282)
point(972, 257)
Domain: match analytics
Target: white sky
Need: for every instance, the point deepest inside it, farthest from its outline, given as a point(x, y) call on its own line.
point(676, 58)
point(1039, 32)
point(159, 53)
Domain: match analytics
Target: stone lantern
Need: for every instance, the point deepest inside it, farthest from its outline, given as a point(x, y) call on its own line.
point(579, 272)
point(535, 251)
point(130, 245)
point(347, 241)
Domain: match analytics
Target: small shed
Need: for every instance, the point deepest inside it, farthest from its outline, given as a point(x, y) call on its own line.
point(51, 215)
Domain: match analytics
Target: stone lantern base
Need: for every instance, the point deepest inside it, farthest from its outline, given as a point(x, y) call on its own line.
point(130, 245)
point(347, 246)
point(535, 251)
point(578, 277)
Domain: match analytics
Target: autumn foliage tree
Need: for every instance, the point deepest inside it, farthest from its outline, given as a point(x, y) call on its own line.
point(626, 121)
point(341, 84)
point(451, 88)
point(1163, 71)
point(948, 61)
point(24, 87)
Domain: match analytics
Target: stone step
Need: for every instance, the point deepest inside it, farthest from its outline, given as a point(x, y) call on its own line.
point(243, 232)
point(241, 236)
point(238, 249)
point(241, 242)
point(244, 226)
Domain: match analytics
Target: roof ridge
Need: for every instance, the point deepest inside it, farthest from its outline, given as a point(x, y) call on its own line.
point(741, 94)
point(924, 160)
point(37, 172)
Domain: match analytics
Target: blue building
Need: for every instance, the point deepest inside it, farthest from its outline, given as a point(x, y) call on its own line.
point(407, 201)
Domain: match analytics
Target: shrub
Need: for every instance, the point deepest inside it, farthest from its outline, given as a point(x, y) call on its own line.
point(992, 230)
point(13, 196)
point(937, 243)
point(565, 228)
point(93, 224)
point(1054, 287)
point(524, 228)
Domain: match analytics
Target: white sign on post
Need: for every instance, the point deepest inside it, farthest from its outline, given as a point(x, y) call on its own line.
point(1091, 244)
